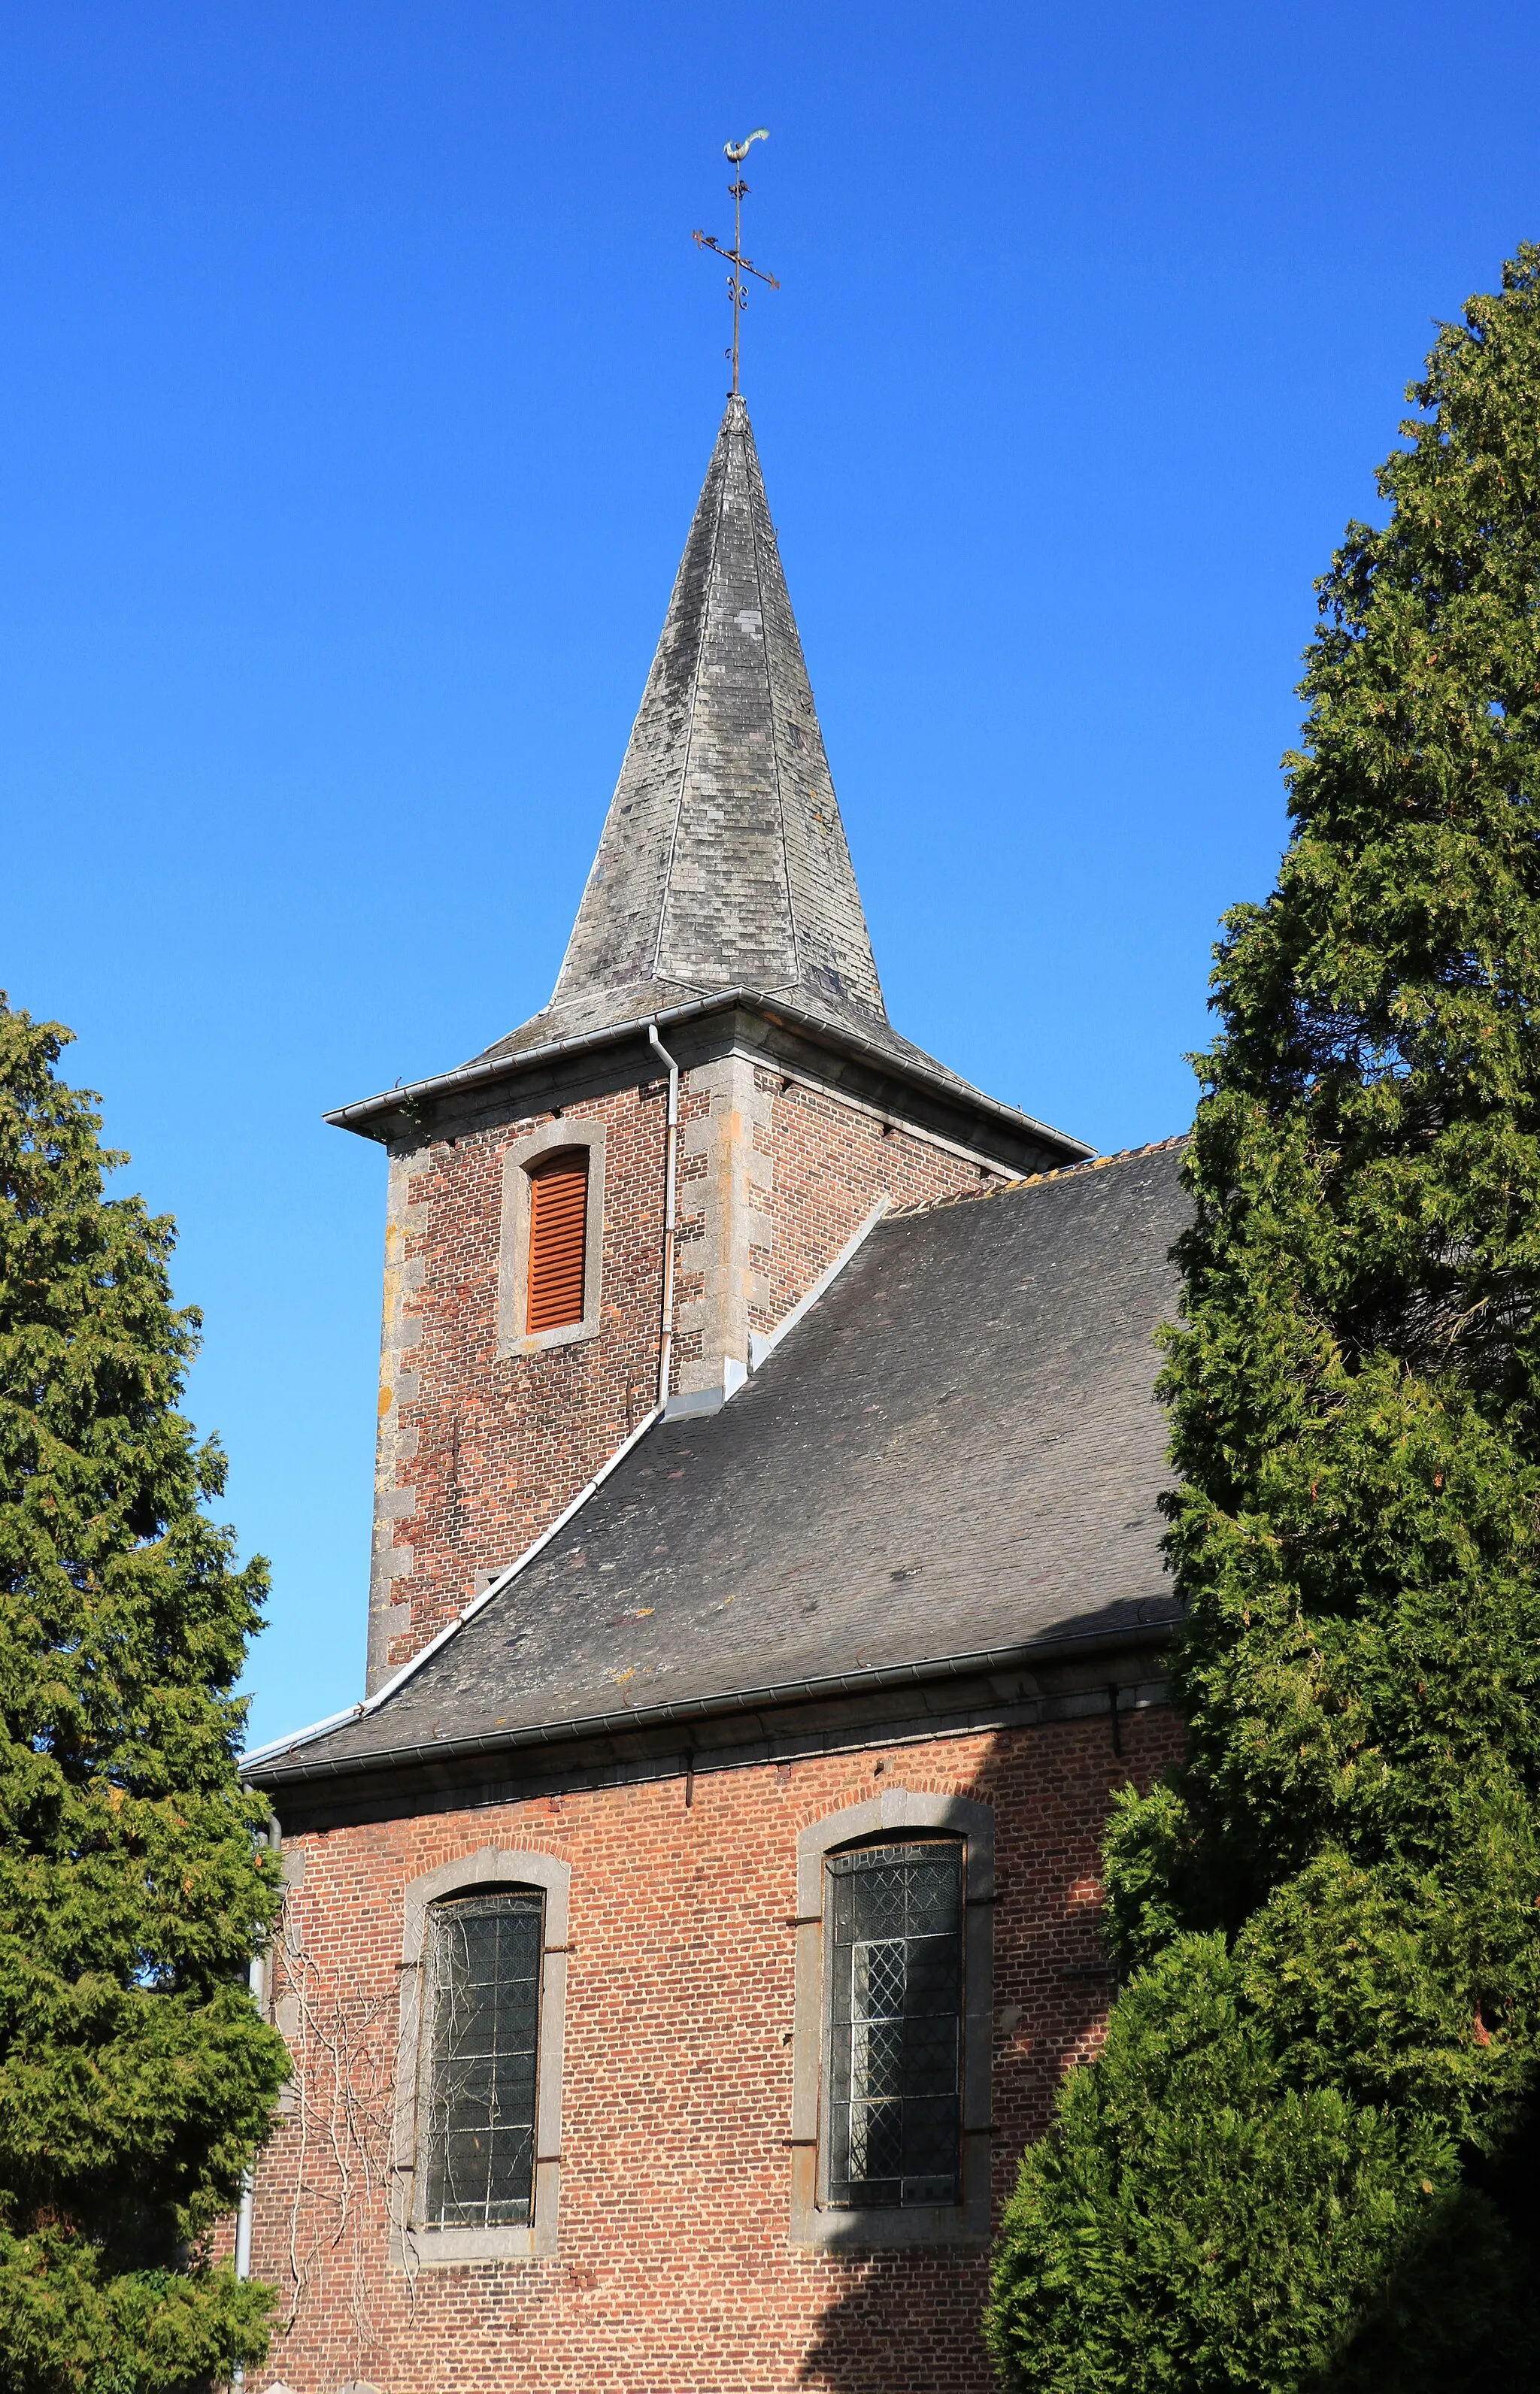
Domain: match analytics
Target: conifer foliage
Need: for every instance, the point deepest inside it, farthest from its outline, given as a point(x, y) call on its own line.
point(1305, 2156)
point(135, 2077)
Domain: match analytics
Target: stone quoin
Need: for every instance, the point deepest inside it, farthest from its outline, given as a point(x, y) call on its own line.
point(693, 1922)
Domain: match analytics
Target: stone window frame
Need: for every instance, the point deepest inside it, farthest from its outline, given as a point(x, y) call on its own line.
point(415, 2246)
point(557, 1137)
point(896, 1813)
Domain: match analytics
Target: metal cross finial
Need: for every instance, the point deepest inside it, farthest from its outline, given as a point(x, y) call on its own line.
point(735, 152)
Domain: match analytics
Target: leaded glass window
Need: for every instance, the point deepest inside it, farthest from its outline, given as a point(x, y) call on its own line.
point(483, 1963)
point(896, 1925)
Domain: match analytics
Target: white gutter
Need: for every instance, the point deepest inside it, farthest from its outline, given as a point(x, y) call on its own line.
point(670, 1150)
point(494, 1587)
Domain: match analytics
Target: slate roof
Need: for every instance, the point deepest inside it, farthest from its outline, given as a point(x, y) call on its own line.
point(723, 868)
point(954, 1453)
point(723, 860)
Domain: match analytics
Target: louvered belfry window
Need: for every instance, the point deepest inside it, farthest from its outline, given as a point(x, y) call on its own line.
point(559, 1230)
point(895, 2034)
point(483, 1962)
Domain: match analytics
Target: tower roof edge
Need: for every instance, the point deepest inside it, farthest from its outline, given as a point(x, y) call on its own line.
point(551, 1039)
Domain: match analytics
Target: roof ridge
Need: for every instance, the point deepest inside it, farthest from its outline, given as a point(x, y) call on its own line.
point(694, 688)
point(766, 638)
point(1033, 1180)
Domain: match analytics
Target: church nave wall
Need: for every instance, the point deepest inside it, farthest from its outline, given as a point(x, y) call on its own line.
point(674, 2271)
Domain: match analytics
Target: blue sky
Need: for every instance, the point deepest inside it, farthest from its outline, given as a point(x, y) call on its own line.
point(358, 377)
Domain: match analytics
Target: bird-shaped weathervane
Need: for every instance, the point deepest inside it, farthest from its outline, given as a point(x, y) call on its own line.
point(735, 152)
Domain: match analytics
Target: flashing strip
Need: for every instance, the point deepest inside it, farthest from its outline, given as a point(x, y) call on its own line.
point(759, 1347)
point(494, 1587)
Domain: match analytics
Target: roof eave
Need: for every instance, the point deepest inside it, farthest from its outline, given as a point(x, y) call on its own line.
point(366, 1114)
point(724, 1705)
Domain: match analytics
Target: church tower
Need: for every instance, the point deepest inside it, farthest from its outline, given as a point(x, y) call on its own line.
point(617, 1205)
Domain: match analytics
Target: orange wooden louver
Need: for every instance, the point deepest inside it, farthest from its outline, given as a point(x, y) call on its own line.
point(558, 1224)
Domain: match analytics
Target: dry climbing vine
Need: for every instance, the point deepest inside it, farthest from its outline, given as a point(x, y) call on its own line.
point(340, 2135)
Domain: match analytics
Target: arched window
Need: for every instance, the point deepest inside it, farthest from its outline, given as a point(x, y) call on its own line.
point(483, 1958)
point(895, 1928)
point(558, 1225)
point(891, 2041)
point(478, 2134)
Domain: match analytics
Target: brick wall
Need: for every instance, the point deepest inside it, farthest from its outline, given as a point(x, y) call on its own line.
point(477, 1452)
point(833, 1162)
point(674, 2273)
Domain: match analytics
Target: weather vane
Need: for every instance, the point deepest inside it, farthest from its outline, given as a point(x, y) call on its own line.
point(735, 152)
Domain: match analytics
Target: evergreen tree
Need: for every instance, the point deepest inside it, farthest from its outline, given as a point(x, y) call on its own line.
point(136, 2078)
point(1303, 2158)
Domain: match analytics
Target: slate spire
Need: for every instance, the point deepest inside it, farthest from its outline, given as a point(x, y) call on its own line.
point(723, 862)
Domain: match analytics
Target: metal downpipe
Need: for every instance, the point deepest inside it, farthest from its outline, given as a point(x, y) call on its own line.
point(257, 1978)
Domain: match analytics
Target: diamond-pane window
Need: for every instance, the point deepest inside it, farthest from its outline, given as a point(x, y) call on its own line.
point(895, 2032)
point(483, 1962)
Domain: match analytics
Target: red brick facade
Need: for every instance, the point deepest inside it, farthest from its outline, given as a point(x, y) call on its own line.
point(481, 1450)
point(497, 1445)
point(674, 2273)
point(833, 1162)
